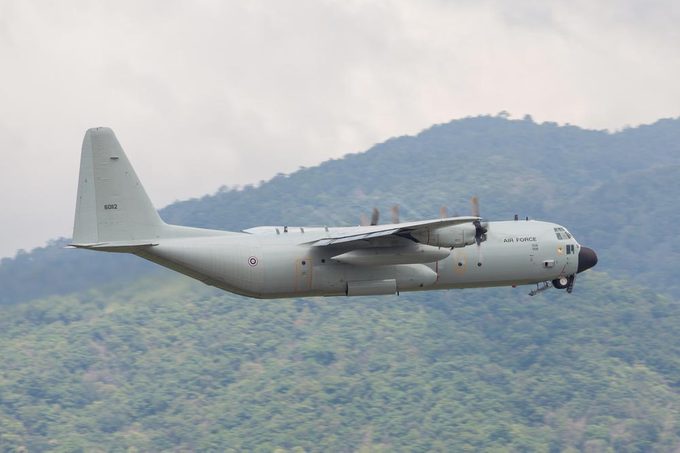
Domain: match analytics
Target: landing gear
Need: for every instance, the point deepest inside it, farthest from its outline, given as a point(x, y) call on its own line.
point(540, 287)
point(559, 283)
point(564, 282)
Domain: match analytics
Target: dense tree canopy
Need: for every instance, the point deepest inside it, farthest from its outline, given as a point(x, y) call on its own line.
point(169, 364)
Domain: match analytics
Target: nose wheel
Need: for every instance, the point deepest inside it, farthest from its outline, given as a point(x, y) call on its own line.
point(565, 282)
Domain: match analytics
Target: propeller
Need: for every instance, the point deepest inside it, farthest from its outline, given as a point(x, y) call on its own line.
point(363, 220)
point(480, 232)
point(395, 213)
point(474, 201)
point(481, 228)
point(375, 216)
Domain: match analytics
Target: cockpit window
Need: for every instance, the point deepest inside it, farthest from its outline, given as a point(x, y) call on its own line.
point(562, 234)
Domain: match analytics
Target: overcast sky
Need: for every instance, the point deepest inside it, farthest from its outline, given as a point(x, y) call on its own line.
point(209, 93)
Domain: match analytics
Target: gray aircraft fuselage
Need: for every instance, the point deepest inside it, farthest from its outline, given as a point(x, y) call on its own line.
point(114, 214)
point(265, 264)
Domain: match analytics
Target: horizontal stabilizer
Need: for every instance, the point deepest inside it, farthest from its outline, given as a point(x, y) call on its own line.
point(114, 245)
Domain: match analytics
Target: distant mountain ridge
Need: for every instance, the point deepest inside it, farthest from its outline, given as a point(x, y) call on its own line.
point(584, 179)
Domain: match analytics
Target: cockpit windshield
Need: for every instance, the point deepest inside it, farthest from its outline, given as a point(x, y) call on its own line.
point(562, 234)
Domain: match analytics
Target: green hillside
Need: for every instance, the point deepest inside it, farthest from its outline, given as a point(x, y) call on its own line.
point(167, 364)
point(581, 178)
point(630, 218)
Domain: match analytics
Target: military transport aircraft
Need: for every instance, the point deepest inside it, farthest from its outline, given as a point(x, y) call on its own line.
point(114, 214)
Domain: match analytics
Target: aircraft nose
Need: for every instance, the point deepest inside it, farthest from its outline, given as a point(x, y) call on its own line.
point(587, 258)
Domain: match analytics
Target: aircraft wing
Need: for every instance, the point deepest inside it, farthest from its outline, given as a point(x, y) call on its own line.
point(403, 230)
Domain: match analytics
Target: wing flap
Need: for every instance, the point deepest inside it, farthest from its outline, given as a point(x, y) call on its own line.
point(354, 237)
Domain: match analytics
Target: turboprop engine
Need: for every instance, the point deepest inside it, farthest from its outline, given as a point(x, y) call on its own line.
point(450, 236)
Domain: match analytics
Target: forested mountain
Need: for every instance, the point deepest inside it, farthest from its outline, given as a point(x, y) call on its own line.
point(617, 192)
point(104, 352)
point(171, 365)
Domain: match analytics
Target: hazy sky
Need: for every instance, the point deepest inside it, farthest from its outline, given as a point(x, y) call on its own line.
point(209, 93)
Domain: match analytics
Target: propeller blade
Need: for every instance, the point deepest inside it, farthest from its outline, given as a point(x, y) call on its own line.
point(480, 228)
point(442, 212)
point(363, 220)
point(474, 201)
point(395, 213)
point(375, 216)
point(480, 232)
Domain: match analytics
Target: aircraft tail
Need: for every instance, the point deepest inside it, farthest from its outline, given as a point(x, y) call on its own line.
point(112, 205)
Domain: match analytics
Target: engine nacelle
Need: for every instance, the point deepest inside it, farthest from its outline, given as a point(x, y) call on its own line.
point(449, 236)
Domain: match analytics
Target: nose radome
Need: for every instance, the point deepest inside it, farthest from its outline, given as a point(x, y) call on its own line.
point(587, 258)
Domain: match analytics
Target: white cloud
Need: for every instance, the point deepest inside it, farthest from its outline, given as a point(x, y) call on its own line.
point(208, 93)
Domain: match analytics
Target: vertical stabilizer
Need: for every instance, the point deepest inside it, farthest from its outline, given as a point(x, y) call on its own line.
point(111, 205)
